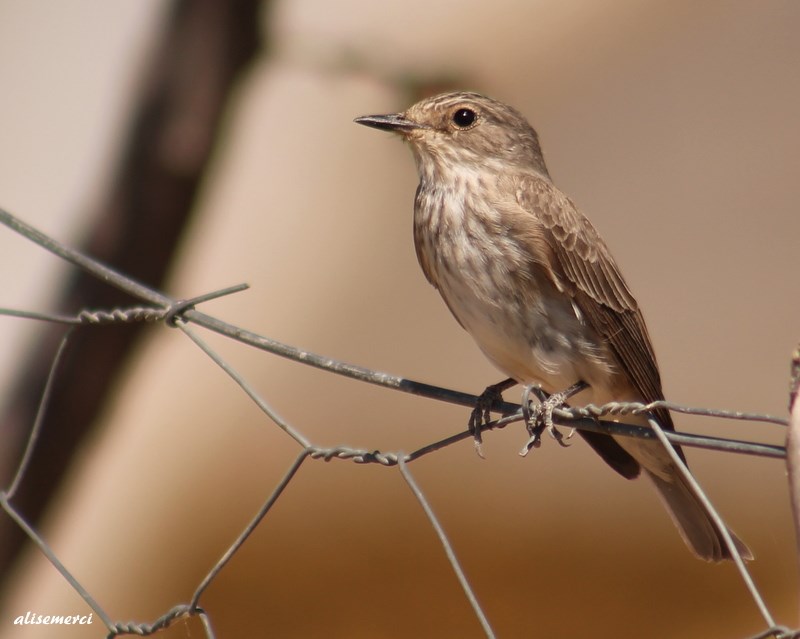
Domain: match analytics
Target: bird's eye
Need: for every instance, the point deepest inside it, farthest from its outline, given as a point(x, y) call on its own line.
point(464, 118)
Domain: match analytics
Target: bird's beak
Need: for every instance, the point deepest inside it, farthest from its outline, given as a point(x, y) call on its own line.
point(395, 122)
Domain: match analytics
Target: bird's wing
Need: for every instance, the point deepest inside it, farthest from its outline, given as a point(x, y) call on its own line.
point(582, 266)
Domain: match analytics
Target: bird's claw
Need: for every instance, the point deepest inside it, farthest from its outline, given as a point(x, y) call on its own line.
point(539, 417)
point(477, 419)
point(563, 440)
point(482, 413)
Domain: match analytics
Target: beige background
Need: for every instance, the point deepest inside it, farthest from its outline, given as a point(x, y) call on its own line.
point(673, 125)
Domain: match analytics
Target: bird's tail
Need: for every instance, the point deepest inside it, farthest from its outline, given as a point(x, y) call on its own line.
point(693, 522)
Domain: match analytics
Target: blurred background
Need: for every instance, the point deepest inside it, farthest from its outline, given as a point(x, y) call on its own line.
point(196, 147)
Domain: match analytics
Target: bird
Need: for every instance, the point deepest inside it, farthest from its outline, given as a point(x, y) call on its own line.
point(528, 276)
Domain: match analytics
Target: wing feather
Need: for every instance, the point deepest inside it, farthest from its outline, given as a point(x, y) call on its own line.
point(583, 267)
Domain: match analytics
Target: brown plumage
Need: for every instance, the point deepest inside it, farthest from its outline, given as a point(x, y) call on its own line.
point(528, 276)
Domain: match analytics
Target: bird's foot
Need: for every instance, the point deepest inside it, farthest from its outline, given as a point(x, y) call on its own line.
point(488, 400)
point(539, 417)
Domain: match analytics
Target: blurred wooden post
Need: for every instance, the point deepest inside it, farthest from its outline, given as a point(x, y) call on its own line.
point(203, 48)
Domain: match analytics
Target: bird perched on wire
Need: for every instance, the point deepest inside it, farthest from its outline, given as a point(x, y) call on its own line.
point(529, 278)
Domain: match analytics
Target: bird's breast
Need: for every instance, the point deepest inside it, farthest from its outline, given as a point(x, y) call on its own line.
point(495, 286)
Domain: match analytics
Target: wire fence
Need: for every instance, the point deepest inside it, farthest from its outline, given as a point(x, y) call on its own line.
point(182, 315)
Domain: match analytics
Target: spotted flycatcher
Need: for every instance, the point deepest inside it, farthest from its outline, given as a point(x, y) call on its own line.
point(528, 276)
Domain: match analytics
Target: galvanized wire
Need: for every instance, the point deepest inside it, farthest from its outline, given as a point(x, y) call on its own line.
point(182, 313)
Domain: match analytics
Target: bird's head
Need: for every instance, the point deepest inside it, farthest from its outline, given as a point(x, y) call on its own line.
point(462, 130)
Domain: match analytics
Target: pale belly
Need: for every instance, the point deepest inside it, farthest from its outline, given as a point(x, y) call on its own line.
point(535, 337)
point(543, 341)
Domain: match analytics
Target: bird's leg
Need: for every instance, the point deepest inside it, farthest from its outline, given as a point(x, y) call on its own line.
point(482, 413)
point(539, 418)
